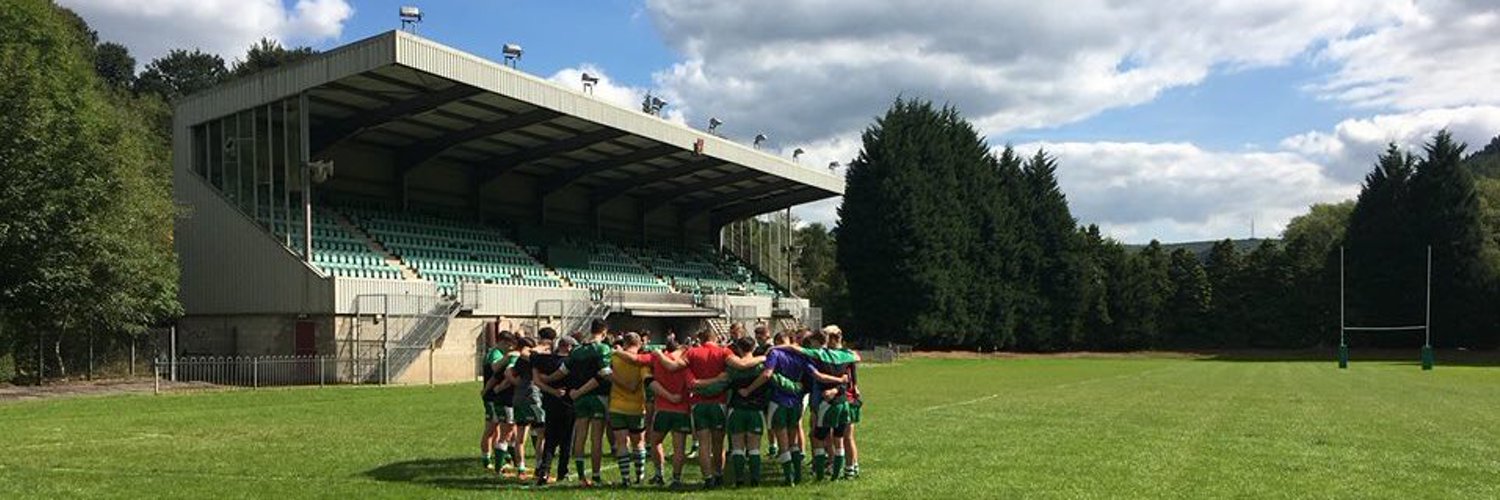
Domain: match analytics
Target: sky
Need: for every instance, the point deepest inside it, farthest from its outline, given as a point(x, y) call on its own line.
point(1168, 123)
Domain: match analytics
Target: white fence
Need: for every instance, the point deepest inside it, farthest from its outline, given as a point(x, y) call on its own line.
point(267, 371)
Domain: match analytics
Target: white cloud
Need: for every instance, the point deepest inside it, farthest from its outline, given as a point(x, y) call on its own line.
point(1174, 192)
point(1436, 53)
point(609, 90)
point(809, 69)
point(1350, 149)
point(224, 27)
point(815, 72)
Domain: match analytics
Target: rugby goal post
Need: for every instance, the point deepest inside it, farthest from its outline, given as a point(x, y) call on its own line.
point(1425, 327)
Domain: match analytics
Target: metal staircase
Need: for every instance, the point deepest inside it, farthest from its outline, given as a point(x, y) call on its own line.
point(422, 335)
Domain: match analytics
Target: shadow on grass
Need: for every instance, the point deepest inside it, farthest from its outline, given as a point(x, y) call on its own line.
point(1413, 356)
point(450, 473)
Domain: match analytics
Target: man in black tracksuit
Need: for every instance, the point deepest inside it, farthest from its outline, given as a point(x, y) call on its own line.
point(559, 408)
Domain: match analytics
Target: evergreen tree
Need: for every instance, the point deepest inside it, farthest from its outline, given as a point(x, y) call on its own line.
point(1383, 258)
point(1448, 218)
point(1226, 309)
point(1055, 319)
point(1099, 256)
point(908, 232)
point(1189, 308)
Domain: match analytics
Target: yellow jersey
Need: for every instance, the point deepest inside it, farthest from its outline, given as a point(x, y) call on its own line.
point(621, 400)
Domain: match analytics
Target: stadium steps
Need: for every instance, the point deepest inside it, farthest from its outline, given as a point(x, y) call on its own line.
point(720, 326)
point(785, 325)
point(407, 273)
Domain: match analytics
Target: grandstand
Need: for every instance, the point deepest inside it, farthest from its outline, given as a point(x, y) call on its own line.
point(394, 197)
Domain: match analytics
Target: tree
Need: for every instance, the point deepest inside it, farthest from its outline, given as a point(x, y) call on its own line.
point(85, 216)
point(1192, 297)
point(1322, 227)
point(180, 73)
point(1383, 262)
point(267, 54)
point(1050, 259)
point(113, 64)
point(819, 278)
point(1449, 219)
point(909, 226)
point(1226, 317)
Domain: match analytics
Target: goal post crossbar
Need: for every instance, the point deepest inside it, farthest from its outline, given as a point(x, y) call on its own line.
point(1425, 327)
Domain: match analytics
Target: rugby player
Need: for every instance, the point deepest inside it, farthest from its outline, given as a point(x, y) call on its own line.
point(627, 409)
point(588, 370)
point(557, 441)
point(526, 404)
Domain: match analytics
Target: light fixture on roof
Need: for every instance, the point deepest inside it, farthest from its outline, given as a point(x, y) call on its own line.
point(588, 83)
point(713, 124)
point(833, 166)
point(759, 138)
point(512, 53)
point(410, 17)
point(652, 105)
point(797, 154)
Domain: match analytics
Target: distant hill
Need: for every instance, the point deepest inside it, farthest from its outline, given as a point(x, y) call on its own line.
point(1486, 162)
point(1201, 248)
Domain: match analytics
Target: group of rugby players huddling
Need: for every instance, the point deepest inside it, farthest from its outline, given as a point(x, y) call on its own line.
point(570, 395)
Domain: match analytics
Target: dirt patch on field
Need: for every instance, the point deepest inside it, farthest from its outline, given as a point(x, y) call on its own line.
point(89, 388)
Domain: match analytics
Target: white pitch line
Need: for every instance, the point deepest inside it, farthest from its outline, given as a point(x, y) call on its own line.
point(962, 403)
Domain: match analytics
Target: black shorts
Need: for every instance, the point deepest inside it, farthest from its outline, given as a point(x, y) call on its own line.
point(821, 433)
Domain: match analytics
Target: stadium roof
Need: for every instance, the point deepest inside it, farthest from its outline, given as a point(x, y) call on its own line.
point(429, 104)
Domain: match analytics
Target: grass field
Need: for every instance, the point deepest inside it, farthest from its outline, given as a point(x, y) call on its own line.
point(1066, 428)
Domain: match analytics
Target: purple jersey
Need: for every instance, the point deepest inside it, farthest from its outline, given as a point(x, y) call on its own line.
point(792, 366)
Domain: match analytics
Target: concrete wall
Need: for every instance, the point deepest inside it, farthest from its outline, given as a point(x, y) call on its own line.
point(250, 335)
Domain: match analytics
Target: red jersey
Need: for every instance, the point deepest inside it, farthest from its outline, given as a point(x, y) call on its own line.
point(675, 382)
point(706, 361)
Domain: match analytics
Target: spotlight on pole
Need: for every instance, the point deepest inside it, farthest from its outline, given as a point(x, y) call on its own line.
point(759, 138)
point(797, 154)
point(713, 124)
point(652, 105)
point(588, 83)
point(410, 17)
point(512, 53)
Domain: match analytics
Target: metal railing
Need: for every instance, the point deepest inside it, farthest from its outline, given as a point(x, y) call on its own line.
point(255, 371)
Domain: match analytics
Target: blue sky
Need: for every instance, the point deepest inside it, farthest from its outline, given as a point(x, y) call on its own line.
point(1168, 123)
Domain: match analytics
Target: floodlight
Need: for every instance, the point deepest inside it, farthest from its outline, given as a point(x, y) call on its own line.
point(588, 82)
point(657, 103)
point(714, 123)
point(797, 154)
point(759, 138)
point(833, 166)
point(511, 52)
point(410, 16)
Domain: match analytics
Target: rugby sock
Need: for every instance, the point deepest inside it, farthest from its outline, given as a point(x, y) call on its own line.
point(837, 471)
point(772, 452)
point(737, 460)
point(578, 466)
point(786, 467)
point(485, 458)
point(797, 457)
point(819, 463)
point(623, 460)
point(754, 467)
point(640, 465)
